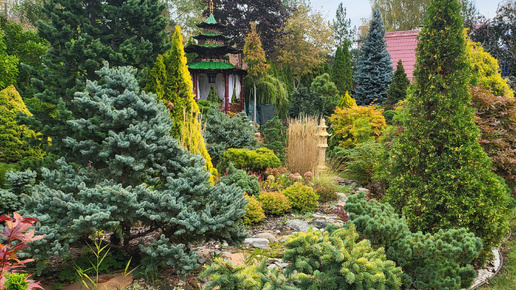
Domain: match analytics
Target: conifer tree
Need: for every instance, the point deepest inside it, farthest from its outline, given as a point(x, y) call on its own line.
point(132, 172)
point(170, 80)
point(343, 32)
point(440, 177)
point(83, 34)
point(13, 146)
point(341, 73)
point(346, 101)
point(398, 89)
point(254, 56)
point(374, 69)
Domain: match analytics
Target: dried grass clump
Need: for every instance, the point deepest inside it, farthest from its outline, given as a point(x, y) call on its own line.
point(302, 148)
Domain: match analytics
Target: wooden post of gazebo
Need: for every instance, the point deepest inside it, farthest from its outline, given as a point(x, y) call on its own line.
point(242, 98)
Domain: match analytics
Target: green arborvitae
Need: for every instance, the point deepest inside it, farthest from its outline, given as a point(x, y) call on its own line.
point(8, 66)
point(429, 261)
point(440, 177)
point(398, 88)
point(132, 173)
point(341, 73)
point(13, 145)
point(374, 69)
point(84, 34)
point(170, 80)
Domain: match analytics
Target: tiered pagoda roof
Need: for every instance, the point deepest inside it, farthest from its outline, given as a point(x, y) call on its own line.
point(211, 47)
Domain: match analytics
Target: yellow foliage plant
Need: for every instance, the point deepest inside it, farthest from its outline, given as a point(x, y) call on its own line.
point(485, 71)
point(170, 80)
point(358, 124)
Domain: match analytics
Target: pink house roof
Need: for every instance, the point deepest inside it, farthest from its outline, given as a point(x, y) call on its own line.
point(402, 45)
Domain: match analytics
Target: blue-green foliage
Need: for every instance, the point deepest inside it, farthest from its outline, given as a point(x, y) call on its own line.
point(429, 261)
point(224, 132)
point(374, 69)
point(138, 174)
point(20, 183)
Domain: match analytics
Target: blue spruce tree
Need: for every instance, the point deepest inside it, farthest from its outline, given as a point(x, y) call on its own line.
point(132, 172)
point(374, 69)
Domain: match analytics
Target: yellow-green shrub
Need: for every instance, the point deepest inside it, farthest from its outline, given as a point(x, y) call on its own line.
point(346, 101)
point(356, 125)
point(274, 202)
point(254, 211)
point(302, 197)
point(251, 160)
point(485, 71)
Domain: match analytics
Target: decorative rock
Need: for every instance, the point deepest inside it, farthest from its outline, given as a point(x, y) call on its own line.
point(259, 243)
point(317, 216)
point(282, 265)
point(320, 223)
point(342, 196)
point(267, 236)
point(341, 204)
point(272, 266)
point(363, 189)
point(298, 225)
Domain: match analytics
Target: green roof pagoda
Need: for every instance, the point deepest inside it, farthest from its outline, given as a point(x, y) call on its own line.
point(216, 63)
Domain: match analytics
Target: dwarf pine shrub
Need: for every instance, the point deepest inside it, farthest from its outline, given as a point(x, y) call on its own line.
point(442, 260)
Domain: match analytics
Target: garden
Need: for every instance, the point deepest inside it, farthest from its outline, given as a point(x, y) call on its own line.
point(115, 175)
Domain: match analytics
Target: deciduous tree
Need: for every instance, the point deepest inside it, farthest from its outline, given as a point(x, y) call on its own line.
point(254, 56)
point(305, 43)
point(269, 16)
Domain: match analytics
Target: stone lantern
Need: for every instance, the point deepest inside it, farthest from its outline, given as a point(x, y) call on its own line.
point(322, 145)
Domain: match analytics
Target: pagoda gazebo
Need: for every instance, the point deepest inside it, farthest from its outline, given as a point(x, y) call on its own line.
point(213, 66)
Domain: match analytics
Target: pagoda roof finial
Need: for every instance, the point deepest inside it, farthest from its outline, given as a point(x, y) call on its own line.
point(211, 6)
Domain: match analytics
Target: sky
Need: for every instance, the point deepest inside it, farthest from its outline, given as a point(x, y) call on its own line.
point(357, 9)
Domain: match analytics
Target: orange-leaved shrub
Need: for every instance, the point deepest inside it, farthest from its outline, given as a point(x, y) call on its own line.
point(496, 118)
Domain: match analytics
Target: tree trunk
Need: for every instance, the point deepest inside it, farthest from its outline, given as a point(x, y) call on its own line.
point(254, 103)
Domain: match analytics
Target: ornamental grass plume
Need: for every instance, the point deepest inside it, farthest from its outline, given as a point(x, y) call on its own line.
point(302, 144)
